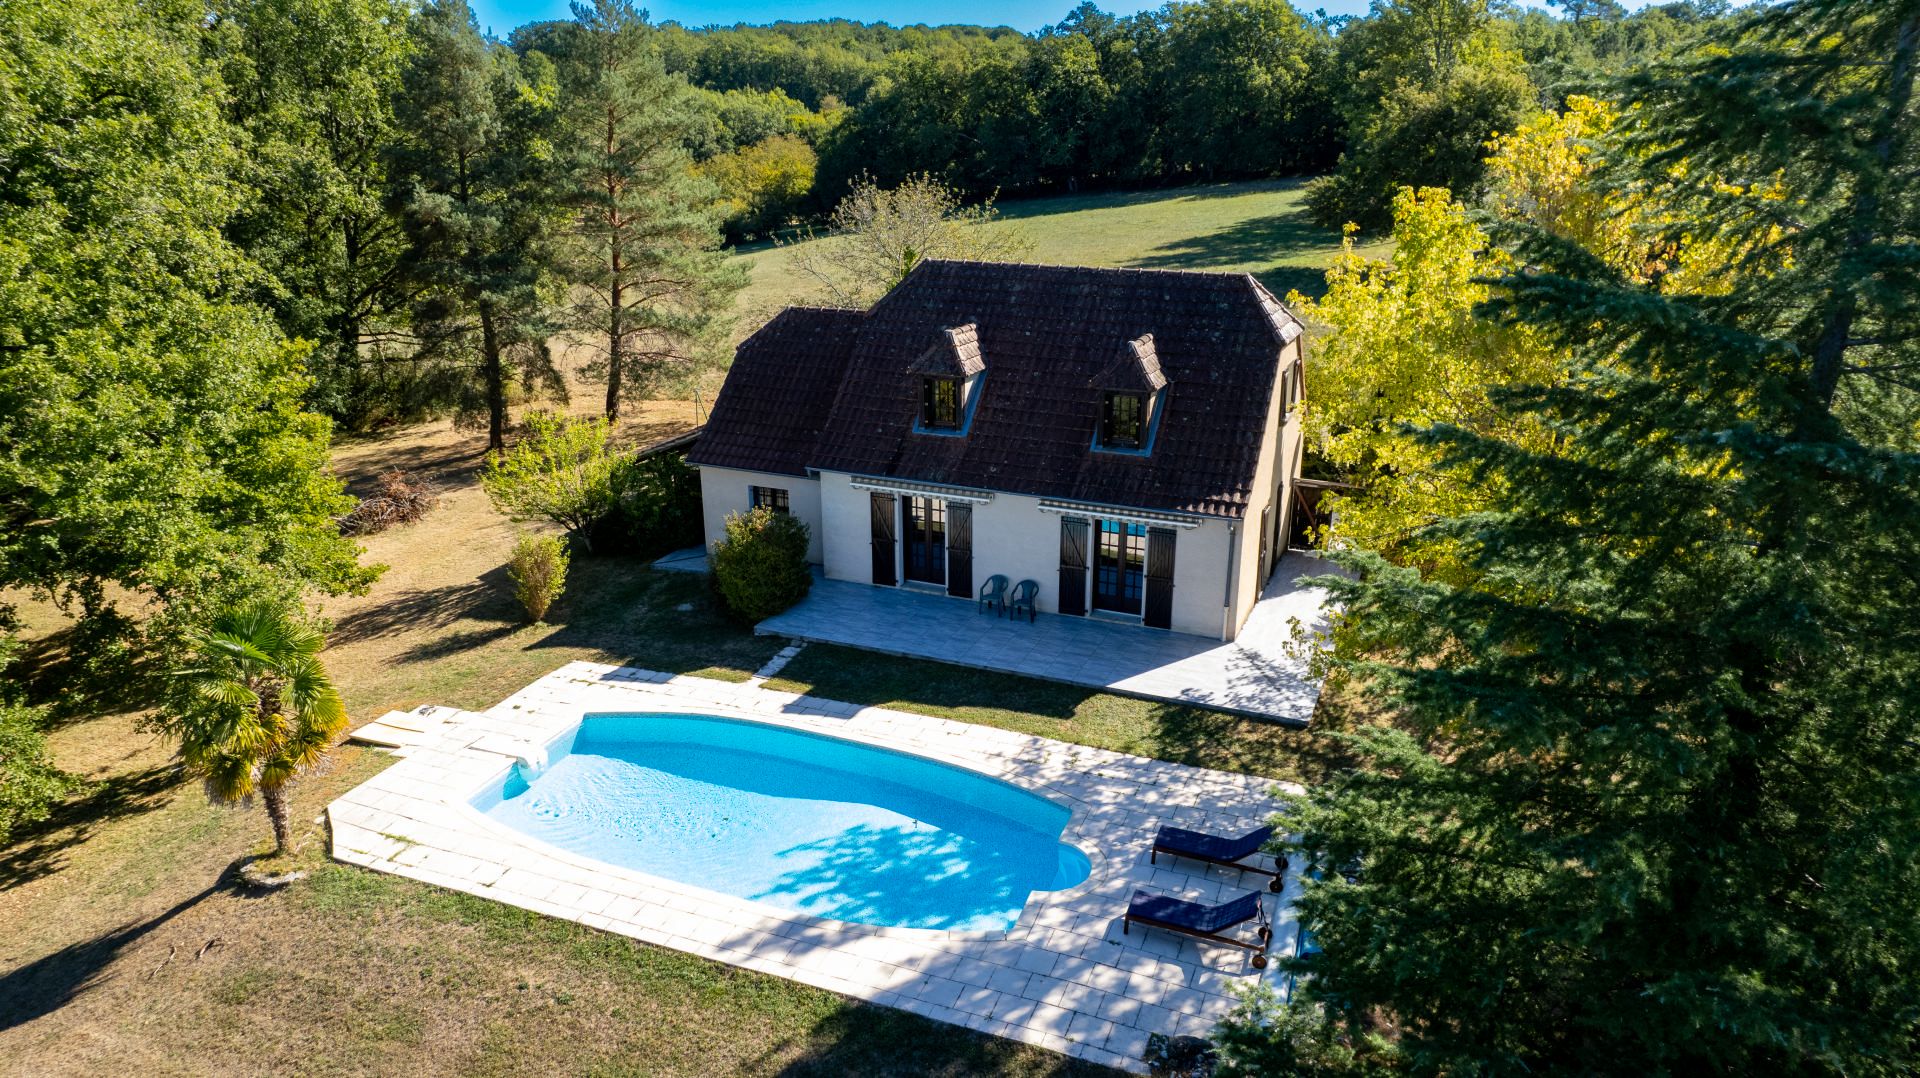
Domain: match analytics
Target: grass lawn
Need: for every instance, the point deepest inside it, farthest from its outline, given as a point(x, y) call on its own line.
point(1259, 228)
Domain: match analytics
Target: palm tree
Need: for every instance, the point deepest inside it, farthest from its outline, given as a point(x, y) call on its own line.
point(257, 709)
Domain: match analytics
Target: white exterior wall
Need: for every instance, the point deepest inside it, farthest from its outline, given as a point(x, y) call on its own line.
point(726, 491)
point(1272, 487)
point(1011, 536)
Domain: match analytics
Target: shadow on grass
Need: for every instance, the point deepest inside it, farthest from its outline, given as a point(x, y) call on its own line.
point(452, 465)
point(47, 984)
point(56, 674)
point(39, 850)
point(1255, 241)
point(488, 598)
point(616, 607)
point(864, 1039)
point(1046, 205)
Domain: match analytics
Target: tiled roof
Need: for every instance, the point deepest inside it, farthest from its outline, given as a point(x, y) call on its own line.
point(1047, 335)
point(779, 392)
point(1135, 368)
point(955, 353)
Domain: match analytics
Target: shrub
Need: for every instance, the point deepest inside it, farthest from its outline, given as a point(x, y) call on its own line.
point(655, 507)
point(760, 568)
point(539, 573)
point(399, 498)
point(562, 471)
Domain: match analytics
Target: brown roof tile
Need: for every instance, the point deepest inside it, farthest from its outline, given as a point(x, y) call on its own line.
point(779, 392)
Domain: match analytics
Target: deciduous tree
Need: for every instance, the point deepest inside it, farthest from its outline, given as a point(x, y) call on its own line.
point(881, 234)
point(153, 446)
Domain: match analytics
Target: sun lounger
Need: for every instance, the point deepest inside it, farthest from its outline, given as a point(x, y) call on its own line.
point(1218, 850)
point(1202, 921)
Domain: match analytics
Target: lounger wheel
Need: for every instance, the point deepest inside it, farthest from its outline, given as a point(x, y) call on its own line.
point(1259, 961)
point(1265, 933)
point(1277, 884)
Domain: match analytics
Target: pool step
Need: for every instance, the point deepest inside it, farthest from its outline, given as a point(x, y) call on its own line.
point(404, 730)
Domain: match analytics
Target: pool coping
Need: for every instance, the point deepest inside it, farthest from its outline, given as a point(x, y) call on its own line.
point(1062, 977)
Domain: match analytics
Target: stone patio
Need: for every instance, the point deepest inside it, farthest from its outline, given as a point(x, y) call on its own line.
point(1254, 675)
point(1065, 977)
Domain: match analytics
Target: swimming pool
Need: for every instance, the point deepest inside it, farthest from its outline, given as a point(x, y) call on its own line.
point(805, 822)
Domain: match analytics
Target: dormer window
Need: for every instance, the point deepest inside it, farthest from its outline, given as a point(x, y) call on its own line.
point(1131, 388)
point(950, 372)
point(940, 403)
point(1123, 421)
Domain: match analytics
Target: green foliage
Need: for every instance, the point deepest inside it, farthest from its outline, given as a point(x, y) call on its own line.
point(538, 570)
point(562, 471)
point(1421, 137)
point(30, 784)
point(656, 507)
point(641, 252)
point(1651, 804)
point(881, 234)
point(1262, 1036)
point(760, 568)
point(312, 83)
point(152, 441)
point(256, 709)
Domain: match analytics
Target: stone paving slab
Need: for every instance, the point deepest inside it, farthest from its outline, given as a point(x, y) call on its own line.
point(1064, 978)
point(1257, 674)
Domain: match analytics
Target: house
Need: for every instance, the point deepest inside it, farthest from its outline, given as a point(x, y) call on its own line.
point(1126, 438)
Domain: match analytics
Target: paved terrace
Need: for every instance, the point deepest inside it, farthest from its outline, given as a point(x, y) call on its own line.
point(1065, 977)
point(1253, 675)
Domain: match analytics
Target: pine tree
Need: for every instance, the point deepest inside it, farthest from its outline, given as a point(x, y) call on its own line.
point(1654, 801)
point(478, 187)
point(642, 250)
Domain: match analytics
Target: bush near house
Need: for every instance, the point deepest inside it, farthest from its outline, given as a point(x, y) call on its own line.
point(539, 573)
point(760, 568)
point(561, 470)
point(654, 507)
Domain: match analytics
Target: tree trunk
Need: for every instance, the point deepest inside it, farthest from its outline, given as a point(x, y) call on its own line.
point(276, 801)
point(495, 374)
point(615, 345)
point(1865, 227)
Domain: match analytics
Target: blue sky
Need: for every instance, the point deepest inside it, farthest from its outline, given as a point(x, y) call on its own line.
point(501, 16)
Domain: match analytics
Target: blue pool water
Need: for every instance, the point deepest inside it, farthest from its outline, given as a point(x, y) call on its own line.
point(801, 821)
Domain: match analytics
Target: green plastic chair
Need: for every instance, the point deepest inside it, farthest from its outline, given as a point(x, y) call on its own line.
point(1024, 593)
point(993, 595)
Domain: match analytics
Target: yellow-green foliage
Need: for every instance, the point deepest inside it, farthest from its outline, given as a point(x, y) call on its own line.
point(538, 570)
point(763, 185)
point(1399, 345)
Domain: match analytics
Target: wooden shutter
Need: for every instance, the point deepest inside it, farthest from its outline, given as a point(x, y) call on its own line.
point(883, 528)
point(1073, 566)
point(1159, 612)
point(960, 549)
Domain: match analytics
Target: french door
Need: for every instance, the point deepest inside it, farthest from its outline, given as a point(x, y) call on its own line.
point(1119, 566)
point(926, 539)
